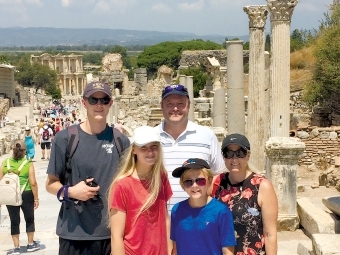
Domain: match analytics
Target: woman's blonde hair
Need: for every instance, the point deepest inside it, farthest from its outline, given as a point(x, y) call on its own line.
point(205, 171)
point(126, 168)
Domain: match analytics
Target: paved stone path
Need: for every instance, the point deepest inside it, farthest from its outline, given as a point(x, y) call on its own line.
point(47, 212)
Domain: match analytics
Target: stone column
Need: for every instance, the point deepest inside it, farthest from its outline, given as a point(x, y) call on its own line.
point(182, 79)
point(116, 104)
point(235, 92)
point(190, 86)
point(219, 118)
point(280, 16)
point(257, 120)
point(217, 78)
point(283, 154)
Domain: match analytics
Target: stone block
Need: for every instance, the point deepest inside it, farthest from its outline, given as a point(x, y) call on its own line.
point(202, 107)
point(333, 204)
point(326, 244)
point(305, 248)
point(315, 220)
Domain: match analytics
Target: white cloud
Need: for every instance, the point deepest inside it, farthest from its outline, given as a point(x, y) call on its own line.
point(65, 3)
point(113, 5)
point(160, 7)
point(196, 6)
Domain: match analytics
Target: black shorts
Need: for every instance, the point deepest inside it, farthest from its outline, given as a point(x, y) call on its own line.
point(84, 247)
point(46, 145)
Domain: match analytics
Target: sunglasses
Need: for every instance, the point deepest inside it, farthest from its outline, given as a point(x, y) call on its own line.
point(199, 181)
point(170, 88)
point(240, 153)
point(94, 100)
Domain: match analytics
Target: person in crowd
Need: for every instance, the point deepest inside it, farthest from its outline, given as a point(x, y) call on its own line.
point(41, 123)
point(182, 138)
point(82, 220)
point(211, 222)
point(45, 139)
point(119, 126)
point(30, 198)
point(30, 143)
point(138, 198)
point(250, 197)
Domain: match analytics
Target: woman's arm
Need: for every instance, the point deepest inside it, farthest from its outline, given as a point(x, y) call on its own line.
point(268, 202)
point(1, 173)
point(34, 185)
point(167, 221)
point(229, 250)
point(117, 225)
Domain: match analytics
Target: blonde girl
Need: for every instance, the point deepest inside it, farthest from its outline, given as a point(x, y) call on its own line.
point(138, 196)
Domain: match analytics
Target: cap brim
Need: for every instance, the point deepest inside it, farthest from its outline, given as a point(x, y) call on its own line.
point(90, 93)
point(177, 173)
point(140, 144)
point(242, 146)
point(176, 92)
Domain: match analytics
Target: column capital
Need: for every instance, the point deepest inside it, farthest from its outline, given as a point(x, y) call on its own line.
point(284, 148)
point(281, 10)
point(257, 15)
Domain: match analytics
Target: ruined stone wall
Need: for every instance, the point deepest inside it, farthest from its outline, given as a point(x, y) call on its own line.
point(194, 58)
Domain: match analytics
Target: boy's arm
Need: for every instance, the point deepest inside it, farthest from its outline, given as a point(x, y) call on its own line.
point(229, 250)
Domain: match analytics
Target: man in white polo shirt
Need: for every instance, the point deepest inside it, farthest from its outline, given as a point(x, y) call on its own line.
point(182, 139)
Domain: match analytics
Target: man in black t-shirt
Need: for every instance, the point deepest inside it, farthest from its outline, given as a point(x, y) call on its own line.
point(82, 221)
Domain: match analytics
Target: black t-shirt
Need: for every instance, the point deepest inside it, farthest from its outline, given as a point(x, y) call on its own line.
point(95, 156)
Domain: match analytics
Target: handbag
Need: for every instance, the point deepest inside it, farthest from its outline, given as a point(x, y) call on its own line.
point(10, 191)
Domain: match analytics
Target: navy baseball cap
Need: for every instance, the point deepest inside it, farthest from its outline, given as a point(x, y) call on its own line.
point(191, 163)
point(177, 89)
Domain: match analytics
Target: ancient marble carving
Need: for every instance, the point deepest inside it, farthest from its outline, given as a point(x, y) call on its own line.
point(281, 10)
point(257, 15)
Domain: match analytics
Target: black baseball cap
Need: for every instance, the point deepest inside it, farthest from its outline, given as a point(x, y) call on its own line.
point(238, 139)
point(96, 86)
point(191, 163)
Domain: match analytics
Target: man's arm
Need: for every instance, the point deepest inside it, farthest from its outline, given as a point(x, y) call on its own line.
point(80, 191)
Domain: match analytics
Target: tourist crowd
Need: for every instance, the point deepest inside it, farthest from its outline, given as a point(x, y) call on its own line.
point(116, 193)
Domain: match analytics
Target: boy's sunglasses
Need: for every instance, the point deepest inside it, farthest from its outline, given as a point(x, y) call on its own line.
point(170, 88)
point(199, 181)
point(94, 100)
point(240, 153)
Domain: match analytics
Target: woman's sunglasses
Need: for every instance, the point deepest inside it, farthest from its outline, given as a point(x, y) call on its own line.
point(94, 100)
point(240, 153)
point(199, 181)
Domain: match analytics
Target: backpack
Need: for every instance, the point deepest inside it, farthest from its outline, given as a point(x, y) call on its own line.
point(46, 134)
point(73, 140)
point(10, 186)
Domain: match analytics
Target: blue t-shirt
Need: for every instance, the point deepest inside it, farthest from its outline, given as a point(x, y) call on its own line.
point(204, 230)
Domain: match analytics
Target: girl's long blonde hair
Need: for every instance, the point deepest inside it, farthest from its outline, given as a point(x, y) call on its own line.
point(126, 168)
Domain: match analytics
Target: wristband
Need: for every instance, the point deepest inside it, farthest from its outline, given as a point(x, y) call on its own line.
point(65, 190)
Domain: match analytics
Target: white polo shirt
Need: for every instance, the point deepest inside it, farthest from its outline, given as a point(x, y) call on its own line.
point(195, 142)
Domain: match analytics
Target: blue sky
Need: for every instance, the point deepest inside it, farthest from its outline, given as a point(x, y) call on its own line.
point(202, 17)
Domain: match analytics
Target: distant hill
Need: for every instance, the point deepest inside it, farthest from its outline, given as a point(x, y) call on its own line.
point(48, 36)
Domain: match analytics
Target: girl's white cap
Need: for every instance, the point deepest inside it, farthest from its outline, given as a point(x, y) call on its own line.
point(144, 135)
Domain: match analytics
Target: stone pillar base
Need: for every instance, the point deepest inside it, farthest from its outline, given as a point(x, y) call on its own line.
point(288, 222)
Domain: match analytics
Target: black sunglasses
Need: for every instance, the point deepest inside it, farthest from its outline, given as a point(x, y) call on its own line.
point(240, 153)
point(170, 88)
point(94, 100)
point(199, 181)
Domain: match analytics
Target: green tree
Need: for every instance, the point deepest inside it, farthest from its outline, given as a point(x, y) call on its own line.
point(37, 76)
point(4, 59)
point(267, 44)
point(325, 86)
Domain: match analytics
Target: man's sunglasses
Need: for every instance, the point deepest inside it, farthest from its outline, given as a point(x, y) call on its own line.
point(94, 100)
point(240, 153)
point(199, 181)
point(177, 87)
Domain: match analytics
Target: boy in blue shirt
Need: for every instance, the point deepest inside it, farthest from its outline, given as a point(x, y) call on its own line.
point(200, 218)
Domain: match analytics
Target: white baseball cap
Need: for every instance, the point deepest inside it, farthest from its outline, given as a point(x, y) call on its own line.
point(144, 135)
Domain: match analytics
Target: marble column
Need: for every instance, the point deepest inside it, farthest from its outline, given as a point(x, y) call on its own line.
point(116, 104)
point(182, 79)
point(280, 17)
point(235, 92)
point(219, 117)
point(189, 82)
point(257, 120)
point(283, 154)
point(217, 78)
